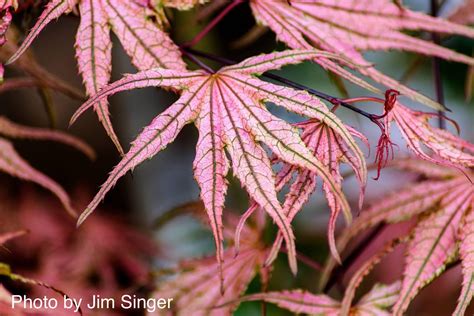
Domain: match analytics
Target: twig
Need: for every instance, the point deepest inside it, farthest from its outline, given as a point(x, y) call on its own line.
point(339, 271)
point(436, 68)
point(334, 100)
point(213, 23)
point(19, 83)
point(305, 259)
point(197, 61)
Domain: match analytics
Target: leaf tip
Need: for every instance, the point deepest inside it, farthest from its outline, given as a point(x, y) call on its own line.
point(12, 59)
point(83, 217)
point(293, 264)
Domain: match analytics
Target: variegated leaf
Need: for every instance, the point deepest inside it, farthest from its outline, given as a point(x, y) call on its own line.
point(146, 44)
point(442, 198)
point(94, 58)
point(329, 148)
point(376, 302)
point(448, 149)
point(229, 110)
point(467, 257)
point(144, 41)
point(374, 25)
point(197, 288)
point(433, 245)
point(300, 302)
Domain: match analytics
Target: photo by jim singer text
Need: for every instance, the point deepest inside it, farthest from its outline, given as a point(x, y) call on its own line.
point(96, 302)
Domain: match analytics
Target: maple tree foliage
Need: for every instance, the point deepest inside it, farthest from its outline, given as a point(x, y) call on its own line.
point(376, 302)
point(144, 41)
point(329, 148)
point(441, 204)
point(197, 288)
point(374, 25)
point(227, 107)
point(277, 163)
point(447, 148)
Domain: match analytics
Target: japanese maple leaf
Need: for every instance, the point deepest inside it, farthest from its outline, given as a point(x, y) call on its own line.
point(12, 163)
point(415, 128)
point(331, 150)
point(196, 289)
point(376, 302)
point(228, 109)
point(442, 206)
point(146, 44)
point(347, 27)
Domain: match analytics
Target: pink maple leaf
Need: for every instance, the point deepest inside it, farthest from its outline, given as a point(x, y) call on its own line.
point(415, 128)
point(228, 109)
point(145, 42)
point(197, 288)
point(441, 206)
point(375, 302)
point(349, 26)
point(331, 150)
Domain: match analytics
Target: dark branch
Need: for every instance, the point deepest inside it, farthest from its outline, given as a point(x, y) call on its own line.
point(197, 61)
point(333, 100)
point(438, 82)
point(340, 270)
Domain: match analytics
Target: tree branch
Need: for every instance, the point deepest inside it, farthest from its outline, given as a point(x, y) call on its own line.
point(333, 100)
point(438, 82)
